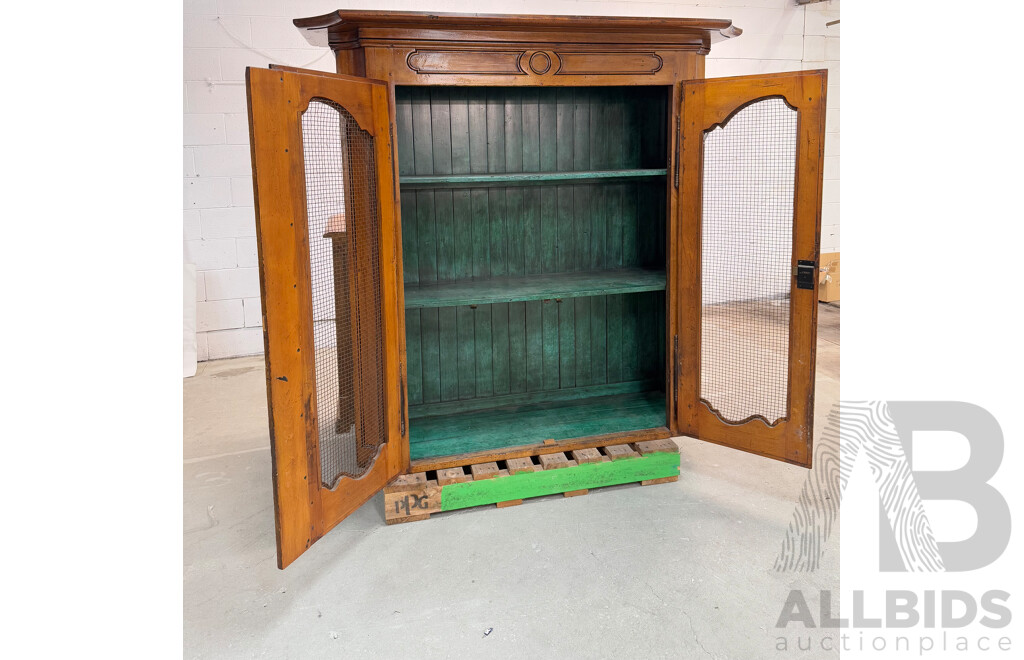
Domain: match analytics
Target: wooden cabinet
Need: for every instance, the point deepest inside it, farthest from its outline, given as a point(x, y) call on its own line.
point(495, 237)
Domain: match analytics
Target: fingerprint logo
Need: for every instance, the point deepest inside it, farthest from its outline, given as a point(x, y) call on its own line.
point(817, 510)
point(853, 429)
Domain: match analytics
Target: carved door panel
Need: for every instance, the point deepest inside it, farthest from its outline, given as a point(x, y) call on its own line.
point(324, 179)
point(750, 222)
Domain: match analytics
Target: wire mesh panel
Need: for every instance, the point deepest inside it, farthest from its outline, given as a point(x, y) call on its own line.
point(746, 262)
point(342, 213)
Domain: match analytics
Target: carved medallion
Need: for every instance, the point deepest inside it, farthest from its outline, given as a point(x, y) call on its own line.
point(540, 62)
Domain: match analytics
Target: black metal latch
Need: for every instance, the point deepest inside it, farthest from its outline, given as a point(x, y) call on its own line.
point(805, 272)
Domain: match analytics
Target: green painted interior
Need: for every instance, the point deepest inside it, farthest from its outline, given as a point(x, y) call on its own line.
point(525, 178)
point(533, 287)
point(524, 398)
point(549, 482)
point(494, 428)
point(533, 238)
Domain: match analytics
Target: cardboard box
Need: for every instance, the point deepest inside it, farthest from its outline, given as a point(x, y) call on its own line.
point(828, 278)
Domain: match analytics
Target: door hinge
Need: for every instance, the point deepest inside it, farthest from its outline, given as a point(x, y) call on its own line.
point(679, 148)
point(804, 273)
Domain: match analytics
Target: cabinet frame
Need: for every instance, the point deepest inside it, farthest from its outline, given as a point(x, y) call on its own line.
point(381, 50)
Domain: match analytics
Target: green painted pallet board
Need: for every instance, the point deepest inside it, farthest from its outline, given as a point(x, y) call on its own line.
point(533, 287)
point(495, 428)
point(525, 485)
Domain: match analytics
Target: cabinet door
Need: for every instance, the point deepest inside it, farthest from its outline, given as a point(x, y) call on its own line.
point(327, 228)
point(752, 152)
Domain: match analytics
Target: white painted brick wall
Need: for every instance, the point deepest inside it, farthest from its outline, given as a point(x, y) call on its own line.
point(247, 252)
point(253, 313)
point(222, 159)
point(219, 315)
point(212, 253)
point(231, 343)
point(192, 226)
point(232, 284)
point(207, 192)
point(236, 127)
point(222, 37)
point(233, 222)
point(201, 286)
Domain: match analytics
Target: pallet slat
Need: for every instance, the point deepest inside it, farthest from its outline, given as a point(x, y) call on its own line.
point(618, 452)
point(654, 446)
point(454, 475)
point(553, 461)
point(589, 455)
point(517, 465)
point(484, 471)
point(407, 482)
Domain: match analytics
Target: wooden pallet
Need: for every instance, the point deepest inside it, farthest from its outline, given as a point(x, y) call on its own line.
point(507, 483)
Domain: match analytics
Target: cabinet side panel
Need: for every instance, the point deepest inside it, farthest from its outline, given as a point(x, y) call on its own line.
point(351, 61)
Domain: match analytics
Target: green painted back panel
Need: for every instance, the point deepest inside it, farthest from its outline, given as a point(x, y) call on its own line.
point(452, 234)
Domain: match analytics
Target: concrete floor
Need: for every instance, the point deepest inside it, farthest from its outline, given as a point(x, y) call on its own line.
point(677, 570)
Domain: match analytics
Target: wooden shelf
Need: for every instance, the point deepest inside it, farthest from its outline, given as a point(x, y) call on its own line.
point(526, 178)
point(533, 287)
point(522, 425)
